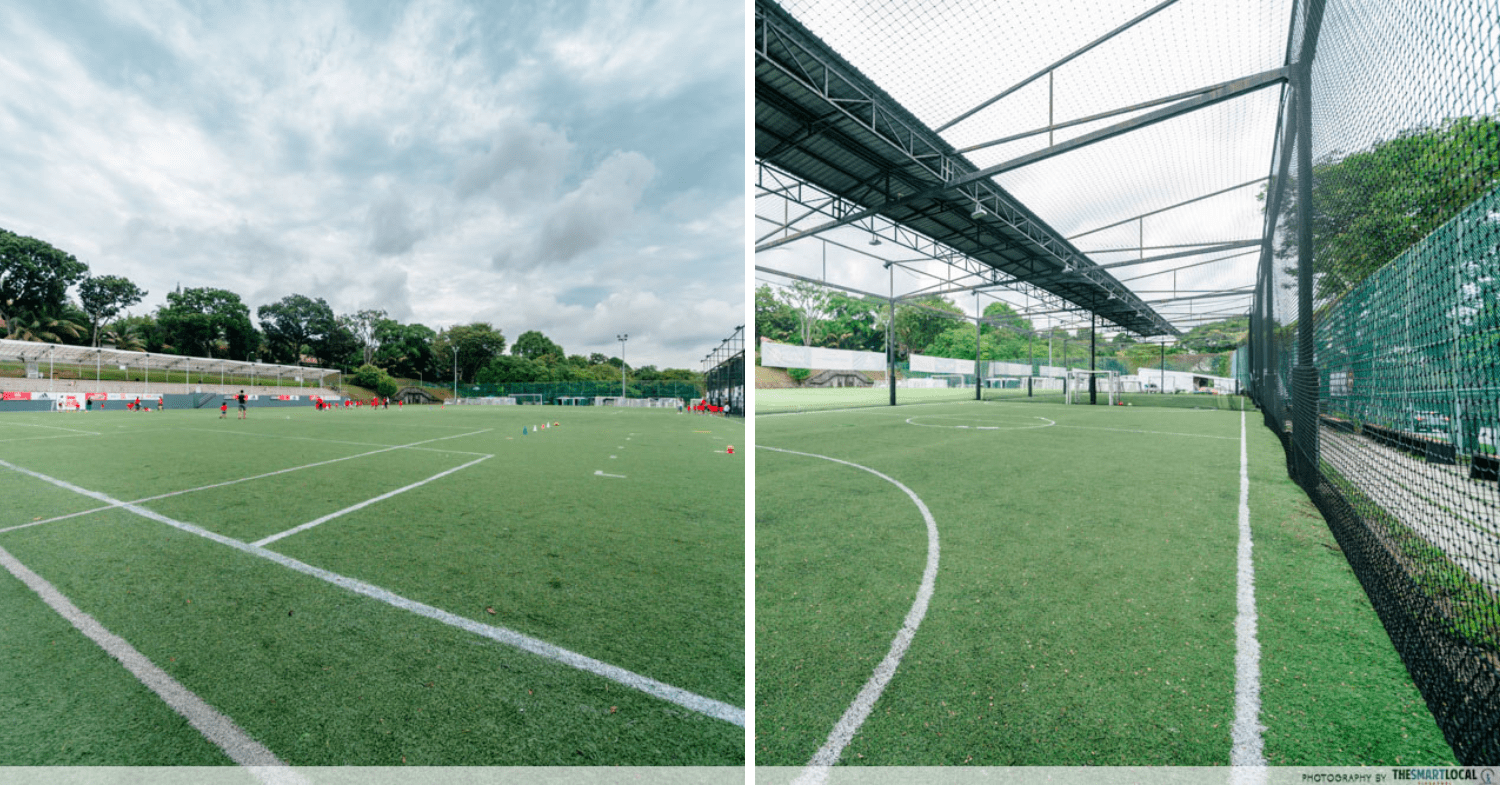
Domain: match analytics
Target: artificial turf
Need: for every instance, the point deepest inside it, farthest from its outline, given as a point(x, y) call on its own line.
point(643, 571)
point(1085, 600)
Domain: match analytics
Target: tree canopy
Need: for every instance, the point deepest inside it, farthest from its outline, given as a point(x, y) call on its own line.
point(1371, 205)
point(35, 277)
point(104, 296)
point(208, 322)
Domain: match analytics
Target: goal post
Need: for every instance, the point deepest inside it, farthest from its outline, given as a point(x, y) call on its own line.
point(1105, 383)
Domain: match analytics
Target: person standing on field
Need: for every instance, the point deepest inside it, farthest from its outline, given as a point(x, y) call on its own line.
point(241, 400)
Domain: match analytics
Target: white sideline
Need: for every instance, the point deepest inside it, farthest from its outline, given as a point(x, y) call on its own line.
point(1247, 754)
point(245, 479)
point(650, 686)
point(817, 769)
point(264, 541)
point(53, 427)
point(58, 436)
point(215, 726)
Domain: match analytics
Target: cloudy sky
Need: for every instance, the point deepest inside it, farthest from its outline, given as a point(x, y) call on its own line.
point(570, 167)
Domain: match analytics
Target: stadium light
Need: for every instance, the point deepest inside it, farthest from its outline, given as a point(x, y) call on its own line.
point(622, 338)
point(455, 372)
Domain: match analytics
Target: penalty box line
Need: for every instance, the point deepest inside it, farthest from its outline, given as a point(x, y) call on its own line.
point(676, 695)
point(356, 444)
point(227, 483)
point(356, 507)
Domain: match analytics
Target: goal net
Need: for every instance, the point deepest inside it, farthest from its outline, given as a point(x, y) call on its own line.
point(1106, 385)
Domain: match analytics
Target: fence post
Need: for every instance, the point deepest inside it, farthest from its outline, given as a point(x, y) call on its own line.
point(1305, 374)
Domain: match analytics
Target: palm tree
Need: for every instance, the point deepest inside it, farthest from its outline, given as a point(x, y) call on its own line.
point(42, 329)
point(126, 337)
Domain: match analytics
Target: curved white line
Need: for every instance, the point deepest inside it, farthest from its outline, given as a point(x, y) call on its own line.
point(1048, 424)
point(844, 730)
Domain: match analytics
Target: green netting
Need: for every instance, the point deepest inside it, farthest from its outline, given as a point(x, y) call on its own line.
point(1414, 346)
point(1375, 336)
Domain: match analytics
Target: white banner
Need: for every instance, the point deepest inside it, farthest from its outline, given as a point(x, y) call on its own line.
point(925, 364)
point(997, 368)
point(785, 355)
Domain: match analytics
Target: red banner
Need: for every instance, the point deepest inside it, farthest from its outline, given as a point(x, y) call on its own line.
point(16, 396)
point(283, 397)
point(96, 396)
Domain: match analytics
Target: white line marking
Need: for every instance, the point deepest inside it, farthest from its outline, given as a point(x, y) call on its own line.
point(264, 541)
point(1248, 749)
point(706, 706)
point(600, 473)
point(217, 728)
point(1157, 433)
point(848, 725)
point(53, 427)
point(1046, 423)
point(59, 436)
point(342, 441)
point(413, 445)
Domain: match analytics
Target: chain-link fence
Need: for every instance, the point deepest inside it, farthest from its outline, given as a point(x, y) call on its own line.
point(1374, 350)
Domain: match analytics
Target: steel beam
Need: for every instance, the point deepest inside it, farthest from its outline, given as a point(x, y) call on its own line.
point(1049, 69)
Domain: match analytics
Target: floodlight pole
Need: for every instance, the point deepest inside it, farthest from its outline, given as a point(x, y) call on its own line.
point(454, 347)
point(622, 338)
point(51, 375)
point(146, 369)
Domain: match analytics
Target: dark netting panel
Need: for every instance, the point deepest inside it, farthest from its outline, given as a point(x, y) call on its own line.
point(1381, 368)
point(724, 375)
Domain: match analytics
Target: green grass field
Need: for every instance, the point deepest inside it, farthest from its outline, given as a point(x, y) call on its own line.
point(618, 536)
point(1084, 605)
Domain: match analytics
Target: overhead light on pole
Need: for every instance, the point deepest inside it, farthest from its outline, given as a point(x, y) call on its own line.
point(622, 338)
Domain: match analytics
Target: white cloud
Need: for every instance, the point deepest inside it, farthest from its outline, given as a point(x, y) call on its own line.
point(272, 149)
point(599, 208)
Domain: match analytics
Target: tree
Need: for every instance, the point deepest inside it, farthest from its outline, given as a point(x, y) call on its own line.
point(375, 379)
point(294, 323)
point(34, 277)
point(406, 350)
point(1001, 315)
point(104, 296)
point(810, 304)
point(365, 327)
point(477, 344)
point(506, 368)
point(197, 321)
point(1370, 206)
point(534, 346)
point(774, 319)
point(853, 323)
point(338, 347)
point(43, 329)
point(917, 326)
